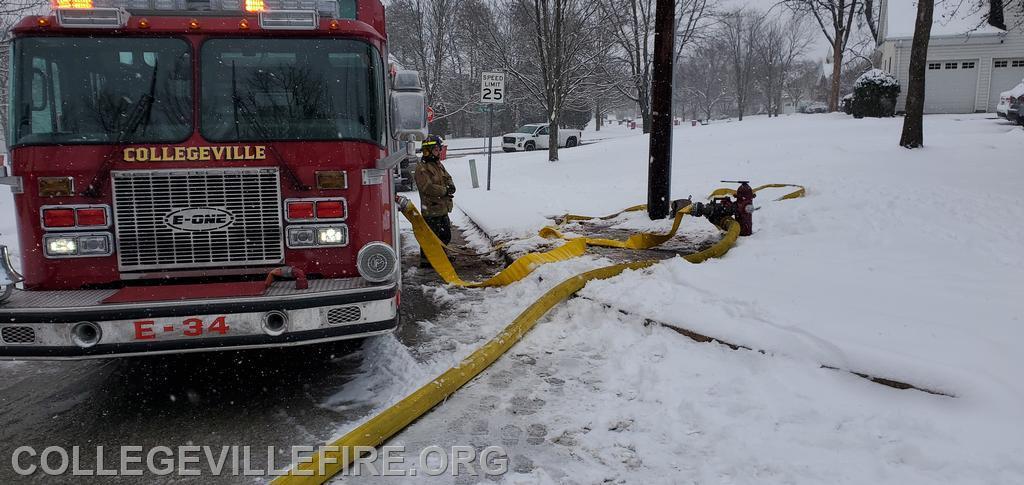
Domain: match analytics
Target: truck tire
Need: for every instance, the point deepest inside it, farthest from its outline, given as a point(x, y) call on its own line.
point(571, 142)
point(529, 146)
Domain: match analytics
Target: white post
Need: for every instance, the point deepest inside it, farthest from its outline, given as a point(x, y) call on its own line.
point(472, 173)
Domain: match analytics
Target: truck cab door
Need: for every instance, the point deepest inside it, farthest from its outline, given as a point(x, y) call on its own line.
point(542, 137)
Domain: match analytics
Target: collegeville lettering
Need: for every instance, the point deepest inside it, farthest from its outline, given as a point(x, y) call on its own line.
point(195, 154)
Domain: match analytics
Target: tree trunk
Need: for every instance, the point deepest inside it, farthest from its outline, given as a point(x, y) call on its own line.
point(837, 71)
point(644, 106)
point(598, 116)
point(553, 136)
point(913, 122)
point(645, 117)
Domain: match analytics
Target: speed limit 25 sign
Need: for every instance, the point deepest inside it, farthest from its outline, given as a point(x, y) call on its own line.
point(492, 87)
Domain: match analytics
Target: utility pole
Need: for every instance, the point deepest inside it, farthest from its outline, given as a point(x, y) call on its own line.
point(659, 170)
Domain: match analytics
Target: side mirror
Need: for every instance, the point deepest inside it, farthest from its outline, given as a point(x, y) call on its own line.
point(406, 80)
point(408, 107)
point(408, 116)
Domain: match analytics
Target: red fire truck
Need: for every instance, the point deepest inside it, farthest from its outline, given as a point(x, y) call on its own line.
point(194, 175)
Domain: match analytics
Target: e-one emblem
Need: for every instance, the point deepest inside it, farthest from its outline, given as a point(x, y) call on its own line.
point(197, 219)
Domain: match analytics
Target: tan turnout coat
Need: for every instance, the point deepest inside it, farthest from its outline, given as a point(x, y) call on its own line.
point(433, 182)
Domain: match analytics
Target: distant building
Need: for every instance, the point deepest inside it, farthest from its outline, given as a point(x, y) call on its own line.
point(969, 61)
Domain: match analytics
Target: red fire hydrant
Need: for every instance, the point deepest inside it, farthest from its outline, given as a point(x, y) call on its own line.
point(721, 208)
point(745, 208)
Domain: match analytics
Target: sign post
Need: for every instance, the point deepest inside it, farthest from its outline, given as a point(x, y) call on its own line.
point(492, 92)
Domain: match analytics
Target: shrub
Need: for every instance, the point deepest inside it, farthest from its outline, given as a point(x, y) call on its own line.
point(847, 104)
point(874, 94)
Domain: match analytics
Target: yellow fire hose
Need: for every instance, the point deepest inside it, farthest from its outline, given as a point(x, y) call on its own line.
point(375, 431)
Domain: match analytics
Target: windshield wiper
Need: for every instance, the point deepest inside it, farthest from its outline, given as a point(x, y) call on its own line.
point(141, 114)
point(250, 117)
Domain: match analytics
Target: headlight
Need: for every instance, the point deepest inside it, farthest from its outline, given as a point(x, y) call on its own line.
point(300, 237)
point(93, 245)
point(521, 138)
point(331, 235)
point(317, 236)
point(83, 245)
point(376, 262)
point(61, 246)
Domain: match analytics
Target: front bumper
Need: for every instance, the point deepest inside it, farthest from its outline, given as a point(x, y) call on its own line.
point(38, 324)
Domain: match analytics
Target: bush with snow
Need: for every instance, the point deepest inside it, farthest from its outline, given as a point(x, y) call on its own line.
point(874, 94)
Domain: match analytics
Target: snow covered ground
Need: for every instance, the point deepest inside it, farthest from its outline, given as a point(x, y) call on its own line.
point(903, 264)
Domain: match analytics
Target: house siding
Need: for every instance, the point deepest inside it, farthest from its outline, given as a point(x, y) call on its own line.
point(979, 48)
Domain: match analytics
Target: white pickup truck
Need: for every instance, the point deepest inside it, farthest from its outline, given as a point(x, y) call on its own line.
point(534, 136)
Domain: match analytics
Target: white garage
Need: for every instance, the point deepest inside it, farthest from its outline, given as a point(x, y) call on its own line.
point(969, 60)
point(951, 86)
point(1006, 73)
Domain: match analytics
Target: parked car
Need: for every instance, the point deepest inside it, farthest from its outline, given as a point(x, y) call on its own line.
point(817, 107)
point(535, 136)
point(1008, 98)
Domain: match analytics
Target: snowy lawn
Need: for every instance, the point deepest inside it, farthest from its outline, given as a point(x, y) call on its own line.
point(902, 264)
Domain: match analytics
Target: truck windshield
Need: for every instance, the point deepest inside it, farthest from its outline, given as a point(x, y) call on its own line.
point(291, 89)
point(95, 90)
point(528, 129)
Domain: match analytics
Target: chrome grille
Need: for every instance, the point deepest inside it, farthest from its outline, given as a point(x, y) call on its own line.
point(144, 198)
point(18, 335)
point(344, 314)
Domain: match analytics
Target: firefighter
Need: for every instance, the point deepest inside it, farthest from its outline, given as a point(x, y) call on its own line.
point(436, 191)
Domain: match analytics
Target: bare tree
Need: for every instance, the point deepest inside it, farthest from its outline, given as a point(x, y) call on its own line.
point(870, 11)
point(801, 80)
point(836, 20)
point(740, 32)
point(428, 43)
point(704, 78)
point(769, 50)
point(557, 66)
point(633, 36)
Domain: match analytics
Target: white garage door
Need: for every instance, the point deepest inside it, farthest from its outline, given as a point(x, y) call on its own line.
point(1006, 73)
point(951, 86)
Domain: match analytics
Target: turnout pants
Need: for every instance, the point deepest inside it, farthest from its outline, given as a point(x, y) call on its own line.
point(442, 227)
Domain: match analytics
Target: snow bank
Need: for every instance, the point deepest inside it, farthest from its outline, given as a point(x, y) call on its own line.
point(903, 264)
